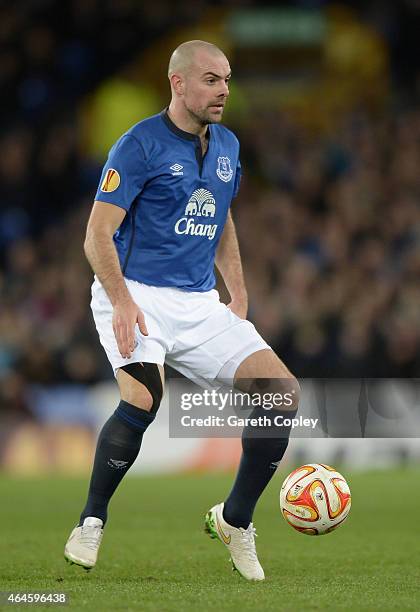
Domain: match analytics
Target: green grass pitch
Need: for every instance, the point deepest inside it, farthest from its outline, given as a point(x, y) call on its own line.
point(156, 557)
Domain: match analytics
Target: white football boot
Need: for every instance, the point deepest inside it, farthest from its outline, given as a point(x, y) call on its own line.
point(83, 544)
point(240, 543)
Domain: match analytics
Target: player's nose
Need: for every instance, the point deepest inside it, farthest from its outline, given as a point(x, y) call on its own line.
point(224, 91)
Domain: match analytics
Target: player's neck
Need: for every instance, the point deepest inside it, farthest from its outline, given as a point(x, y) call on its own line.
point(185, 122)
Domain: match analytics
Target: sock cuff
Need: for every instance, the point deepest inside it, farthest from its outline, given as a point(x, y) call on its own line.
point(134, 417)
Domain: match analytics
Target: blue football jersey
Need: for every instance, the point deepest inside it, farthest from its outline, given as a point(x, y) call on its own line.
point(176, 199)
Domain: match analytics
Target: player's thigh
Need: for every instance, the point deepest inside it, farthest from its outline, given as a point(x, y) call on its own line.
point(135, 392)
point(264, 372)
point(215, 345)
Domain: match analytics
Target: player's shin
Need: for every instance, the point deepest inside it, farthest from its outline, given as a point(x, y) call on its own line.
point(263, 447)
point(118, 446)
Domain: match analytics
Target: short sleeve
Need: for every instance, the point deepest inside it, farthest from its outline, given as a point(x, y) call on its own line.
point(124, 173)
point(238, 175)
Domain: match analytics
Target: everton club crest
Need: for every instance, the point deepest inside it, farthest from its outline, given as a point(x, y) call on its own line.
point(224, 171)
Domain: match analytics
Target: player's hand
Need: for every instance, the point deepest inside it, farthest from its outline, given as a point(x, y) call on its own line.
point(124, 320)
point(239, 306)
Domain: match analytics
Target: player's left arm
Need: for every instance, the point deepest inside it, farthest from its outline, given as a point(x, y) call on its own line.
point(228, 262)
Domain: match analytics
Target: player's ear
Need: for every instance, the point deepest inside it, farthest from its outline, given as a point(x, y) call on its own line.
point(177, 83)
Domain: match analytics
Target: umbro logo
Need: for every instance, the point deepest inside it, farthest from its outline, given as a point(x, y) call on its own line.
point(177, 170)
point(116, 464)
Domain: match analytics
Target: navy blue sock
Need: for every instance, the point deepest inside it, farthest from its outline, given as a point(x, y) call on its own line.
point(117, 448)
point(261, 455)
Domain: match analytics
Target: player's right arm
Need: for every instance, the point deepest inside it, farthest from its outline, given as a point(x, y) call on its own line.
point(102, 255)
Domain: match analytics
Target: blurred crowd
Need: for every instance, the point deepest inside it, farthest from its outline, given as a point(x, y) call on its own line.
point(330, 236)
point(329, 224)
point(50, 55)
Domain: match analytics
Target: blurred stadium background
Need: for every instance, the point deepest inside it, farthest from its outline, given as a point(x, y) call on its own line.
point(326, 103)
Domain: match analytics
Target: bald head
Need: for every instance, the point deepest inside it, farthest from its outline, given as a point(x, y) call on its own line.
point(188, 53)
point(199, 74)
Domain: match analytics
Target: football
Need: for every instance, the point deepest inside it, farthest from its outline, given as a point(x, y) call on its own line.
point(315, 499)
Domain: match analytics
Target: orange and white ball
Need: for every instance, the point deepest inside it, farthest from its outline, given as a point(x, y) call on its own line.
point(315, 499)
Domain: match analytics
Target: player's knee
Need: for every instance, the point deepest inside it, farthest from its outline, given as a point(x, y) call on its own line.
point(291, 391)
point(134, 417)
point(143, 388)
point(136, 394)
point(277, 393)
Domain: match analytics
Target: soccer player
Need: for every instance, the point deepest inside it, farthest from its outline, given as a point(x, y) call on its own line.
point(160, 222)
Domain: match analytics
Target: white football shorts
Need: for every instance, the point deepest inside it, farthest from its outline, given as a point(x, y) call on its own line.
point(193, 332)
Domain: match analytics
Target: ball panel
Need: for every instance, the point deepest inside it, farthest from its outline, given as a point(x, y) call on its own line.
point(294, 480)
point(296, 521)
point(339, 522)
point(343, 493)
point(307, 530)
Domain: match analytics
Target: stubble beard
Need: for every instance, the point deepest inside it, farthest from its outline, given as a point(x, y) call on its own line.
point(203, 117)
